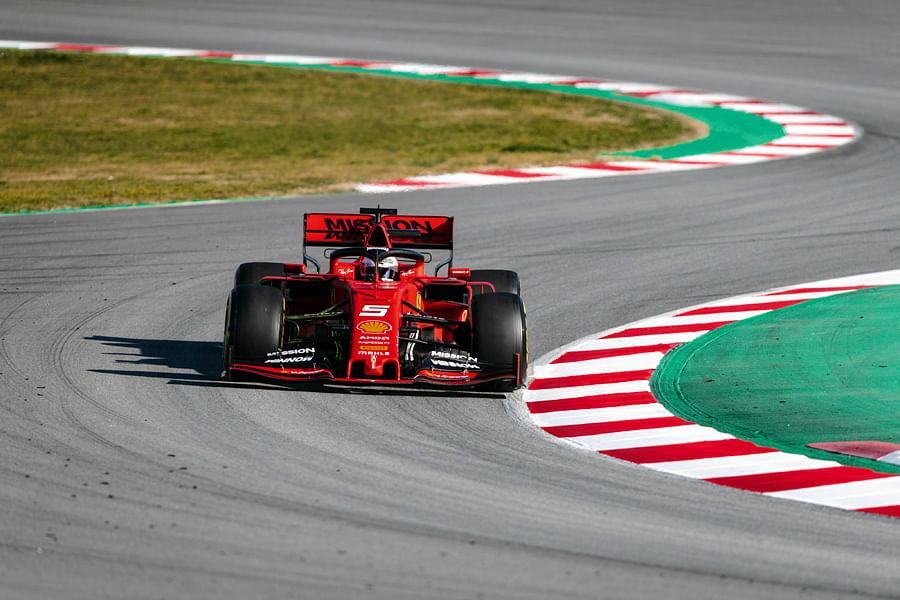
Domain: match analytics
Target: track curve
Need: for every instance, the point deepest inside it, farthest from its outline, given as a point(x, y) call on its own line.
point(130, 470)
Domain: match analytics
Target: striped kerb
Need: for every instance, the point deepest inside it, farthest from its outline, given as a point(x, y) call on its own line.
point(596, 395)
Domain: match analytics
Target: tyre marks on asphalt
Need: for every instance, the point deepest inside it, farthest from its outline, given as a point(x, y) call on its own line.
point(596, 395)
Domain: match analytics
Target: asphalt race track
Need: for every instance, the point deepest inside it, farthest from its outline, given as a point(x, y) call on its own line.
point(129, 470)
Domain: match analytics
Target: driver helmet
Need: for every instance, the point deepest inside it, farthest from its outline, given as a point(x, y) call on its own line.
point(388, 269)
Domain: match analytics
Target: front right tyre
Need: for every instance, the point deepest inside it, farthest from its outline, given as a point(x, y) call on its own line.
point(252, 272)
point(254, 322)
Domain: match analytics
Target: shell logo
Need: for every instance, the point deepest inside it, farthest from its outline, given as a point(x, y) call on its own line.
point(374, 326)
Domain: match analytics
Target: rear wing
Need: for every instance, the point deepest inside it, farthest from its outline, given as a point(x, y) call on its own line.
point(340, 230)
point(335, 230)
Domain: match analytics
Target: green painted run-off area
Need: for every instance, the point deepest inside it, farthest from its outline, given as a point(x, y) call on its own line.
point(826, 370)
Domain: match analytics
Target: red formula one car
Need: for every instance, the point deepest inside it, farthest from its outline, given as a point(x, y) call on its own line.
point(373, 315)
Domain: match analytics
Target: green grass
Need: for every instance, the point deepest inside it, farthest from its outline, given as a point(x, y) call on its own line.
point(88, 130)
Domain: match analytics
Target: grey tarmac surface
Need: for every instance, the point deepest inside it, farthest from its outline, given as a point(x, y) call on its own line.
point(129, 470)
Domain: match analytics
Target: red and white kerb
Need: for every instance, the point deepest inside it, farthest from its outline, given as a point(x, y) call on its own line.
point(596, 396)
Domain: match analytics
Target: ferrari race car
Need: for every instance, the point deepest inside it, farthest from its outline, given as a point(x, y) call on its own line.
point(364, 311)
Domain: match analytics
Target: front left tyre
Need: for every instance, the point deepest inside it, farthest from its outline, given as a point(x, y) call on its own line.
point(503, 282)
point(499, 338)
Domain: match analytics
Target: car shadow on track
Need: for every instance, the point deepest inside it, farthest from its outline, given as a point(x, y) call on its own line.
point(199, 364)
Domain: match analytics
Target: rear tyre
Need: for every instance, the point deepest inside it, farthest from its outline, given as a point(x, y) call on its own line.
point(504, 282)
point(499, 337)
point(253, 324)
point(251, 273)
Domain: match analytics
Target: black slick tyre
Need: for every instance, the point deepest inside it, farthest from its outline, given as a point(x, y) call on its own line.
point(499, 338)
point(504, 282)
point(254, 322)
point(251, 273)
